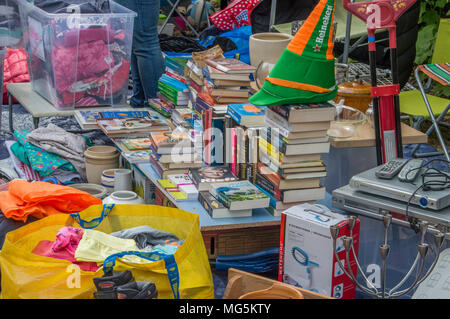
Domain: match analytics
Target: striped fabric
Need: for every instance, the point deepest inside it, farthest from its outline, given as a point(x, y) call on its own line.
point(438, 72)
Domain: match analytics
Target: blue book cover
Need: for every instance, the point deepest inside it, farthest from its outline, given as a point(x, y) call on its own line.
point(238, 111)
point(177, 85)
point(273, 200)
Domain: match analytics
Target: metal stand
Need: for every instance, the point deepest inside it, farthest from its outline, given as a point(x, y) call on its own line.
point(384, 248)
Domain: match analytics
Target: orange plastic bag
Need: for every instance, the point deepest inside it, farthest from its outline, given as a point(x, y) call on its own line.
point(41, 199)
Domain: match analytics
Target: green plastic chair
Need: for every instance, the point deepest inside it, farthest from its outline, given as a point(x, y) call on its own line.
point(420, 105)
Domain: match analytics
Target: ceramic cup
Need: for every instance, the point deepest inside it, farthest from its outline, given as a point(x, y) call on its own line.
point(123, 180)
point(123, 197)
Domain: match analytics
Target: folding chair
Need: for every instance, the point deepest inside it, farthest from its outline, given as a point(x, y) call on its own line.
point(418, 103)
point(173, 10)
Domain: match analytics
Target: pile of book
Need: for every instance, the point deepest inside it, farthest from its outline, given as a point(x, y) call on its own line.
point(290, 167)
point(172, 86)
point(223, 195)
point(173, 153)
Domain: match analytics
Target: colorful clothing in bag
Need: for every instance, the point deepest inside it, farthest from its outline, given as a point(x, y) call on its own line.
point(43, 162)
point(44, 248)
point(96, 246)
point(68, 238)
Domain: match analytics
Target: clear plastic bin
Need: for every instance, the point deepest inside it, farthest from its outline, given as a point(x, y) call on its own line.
point(10, 27)
point(78, 59)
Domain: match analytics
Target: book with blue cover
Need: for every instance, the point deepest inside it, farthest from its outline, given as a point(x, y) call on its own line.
point(247, 114)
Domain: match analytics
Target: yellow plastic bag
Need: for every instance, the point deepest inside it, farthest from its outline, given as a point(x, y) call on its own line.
point(27, 275)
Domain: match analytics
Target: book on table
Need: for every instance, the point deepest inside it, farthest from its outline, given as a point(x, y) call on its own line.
point(231, 66)
point(239, 195)
point(247, 114)
point(185, 184)
point(137, 144)
point(303, 113)
point(173, 190)
point(132, 126)
point(174, 142)
point(294, 149)
point(204, 176)
point(217, 210)
point(277, 181)
point(212, 74)
point(290, 195)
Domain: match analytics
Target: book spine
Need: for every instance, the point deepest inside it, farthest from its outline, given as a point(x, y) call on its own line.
point(283, 111)
point(265, 184)
point(234, 115)
point(205, 204)
point(217, 140)
point(226, 140)
point(233, 150)
point(207, 136)
point(271, 150)
point(174, 66)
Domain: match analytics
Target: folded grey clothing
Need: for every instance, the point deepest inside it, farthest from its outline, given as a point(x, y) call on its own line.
point(147, 237)
point(56, 140)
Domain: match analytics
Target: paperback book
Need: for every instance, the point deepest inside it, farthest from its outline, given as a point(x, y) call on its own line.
point(239, 195)
point(217, 210)
point(204, 176)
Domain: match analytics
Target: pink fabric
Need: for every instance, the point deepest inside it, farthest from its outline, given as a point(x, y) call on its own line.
point(92, 58)
point(68, 239)
point(44, 248)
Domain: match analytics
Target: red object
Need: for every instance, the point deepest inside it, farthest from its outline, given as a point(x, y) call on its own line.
point(15, 70)
point(235, 15)
point(118, 80)
point(383, 14)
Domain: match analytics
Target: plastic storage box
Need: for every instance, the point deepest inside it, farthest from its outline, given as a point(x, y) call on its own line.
point(76, 58)
point(10, 28)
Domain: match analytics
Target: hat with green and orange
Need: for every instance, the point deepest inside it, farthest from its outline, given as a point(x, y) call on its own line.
point(305, 71)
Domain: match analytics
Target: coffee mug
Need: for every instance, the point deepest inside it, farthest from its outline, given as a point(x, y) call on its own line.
point(123, 180)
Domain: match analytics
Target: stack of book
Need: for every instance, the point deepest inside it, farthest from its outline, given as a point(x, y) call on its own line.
point(173, 91)
point(290, 167)
point(223, 195)
point(173, 153)
point(87, 119)
point(227, 81)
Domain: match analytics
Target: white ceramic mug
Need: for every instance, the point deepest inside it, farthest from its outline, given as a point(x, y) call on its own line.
point(123, 180)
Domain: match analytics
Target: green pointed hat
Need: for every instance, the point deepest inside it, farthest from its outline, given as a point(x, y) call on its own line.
point(305, 71)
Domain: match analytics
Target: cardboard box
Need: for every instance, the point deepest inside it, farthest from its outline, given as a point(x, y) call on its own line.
point(306, 255)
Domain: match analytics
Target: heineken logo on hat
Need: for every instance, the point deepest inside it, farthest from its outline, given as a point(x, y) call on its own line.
point(324, 28)
point(305, 71)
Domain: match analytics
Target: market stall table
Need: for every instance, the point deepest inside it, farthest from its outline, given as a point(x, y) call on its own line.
point(224, 236)
point(350, 156)
point(38, 106)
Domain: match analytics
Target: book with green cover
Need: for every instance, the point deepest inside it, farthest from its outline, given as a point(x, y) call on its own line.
point(239, 195)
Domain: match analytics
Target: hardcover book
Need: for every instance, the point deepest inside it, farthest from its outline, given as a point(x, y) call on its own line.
point(239, 195)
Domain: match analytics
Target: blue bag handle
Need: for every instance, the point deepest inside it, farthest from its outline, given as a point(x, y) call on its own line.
point(94, 222)
point(110, 261)
point(169, 260)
